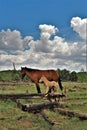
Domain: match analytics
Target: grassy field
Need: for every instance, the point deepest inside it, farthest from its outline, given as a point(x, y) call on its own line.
point(12, 118)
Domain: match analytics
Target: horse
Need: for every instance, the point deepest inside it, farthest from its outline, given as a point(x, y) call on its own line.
point(35, 75)
point(49, 84)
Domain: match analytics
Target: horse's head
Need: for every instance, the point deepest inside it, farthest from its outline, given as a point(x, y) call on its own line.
point(23, 72)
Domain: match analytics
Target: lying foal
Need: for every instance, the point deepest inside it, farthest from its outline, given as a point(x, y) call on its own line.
point(49, 84)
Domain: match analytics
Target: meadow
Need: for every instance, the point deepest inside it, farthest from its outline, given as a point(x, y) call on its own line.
point(12, 118)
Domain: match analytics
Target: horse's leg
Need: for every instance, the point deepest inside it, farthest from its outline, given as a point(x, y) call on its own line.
point(38, 88)
point(60, 84)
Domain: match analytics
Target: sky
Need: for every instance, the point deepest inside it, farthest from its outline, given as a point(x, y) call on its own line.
point(43, 34)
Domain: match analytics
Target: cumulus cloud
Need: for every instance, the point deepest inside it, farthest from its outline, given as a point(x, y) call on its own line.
point(10, 41)
point(79, 25)
point(50, 51)
point(48, 29)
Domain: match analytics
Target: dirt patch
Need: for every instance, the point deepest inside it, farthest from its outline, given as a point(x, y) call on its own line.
point(2, 128)
point(25, 123)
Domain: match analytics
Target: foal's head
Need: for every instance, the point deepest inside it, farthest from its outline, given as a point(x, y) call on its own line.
point(42, 79)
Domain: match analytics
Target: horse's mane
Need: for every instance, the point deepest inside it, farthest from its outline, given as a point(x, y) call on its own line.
point(30, 69)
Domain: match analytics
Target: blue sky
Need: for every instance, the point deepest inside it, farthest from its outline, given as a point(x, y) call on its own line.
point(26, 16)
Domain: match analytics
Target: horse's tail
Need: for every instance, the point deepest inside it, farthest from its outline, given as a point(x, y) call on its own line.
point(60, 84)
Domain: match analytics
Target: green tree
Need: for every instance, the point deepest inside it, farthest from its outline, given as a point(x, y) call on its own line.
point(73, 76)
point(65, 75)
point(82, 76)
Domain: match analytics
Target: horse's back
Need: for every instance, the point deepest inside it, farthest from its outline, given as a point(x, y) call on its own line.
point(51, 75)
point(35, 74)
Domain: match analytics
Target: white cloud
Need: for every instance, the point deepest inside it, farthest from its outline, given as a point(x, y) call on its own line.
point(46, 52)
point(10, 40)
point(48, 29)
point(79, 25)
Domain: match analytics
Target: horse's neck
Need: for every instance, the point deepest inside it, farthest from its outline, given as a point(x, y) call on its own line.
point(28, 74)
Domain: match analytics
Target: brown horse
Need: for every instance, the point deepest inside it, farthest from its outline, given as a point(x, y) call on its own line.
point(35, 75)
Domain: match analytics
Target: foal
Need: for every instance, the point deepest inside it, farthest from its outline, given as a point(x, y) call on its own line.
point(49, 84)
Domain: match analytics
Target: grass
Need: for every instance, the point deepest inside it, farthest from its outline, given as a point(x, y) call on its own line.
point(12, 118)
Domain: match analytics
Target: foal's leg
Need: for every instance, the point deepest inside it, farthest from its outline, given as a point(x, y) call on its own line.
point(47, 89)
point(55, 88)
point(38, 88)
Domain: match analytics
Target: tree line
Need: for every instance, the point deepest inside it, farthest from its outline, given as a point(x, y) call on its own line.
point(65, 75)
